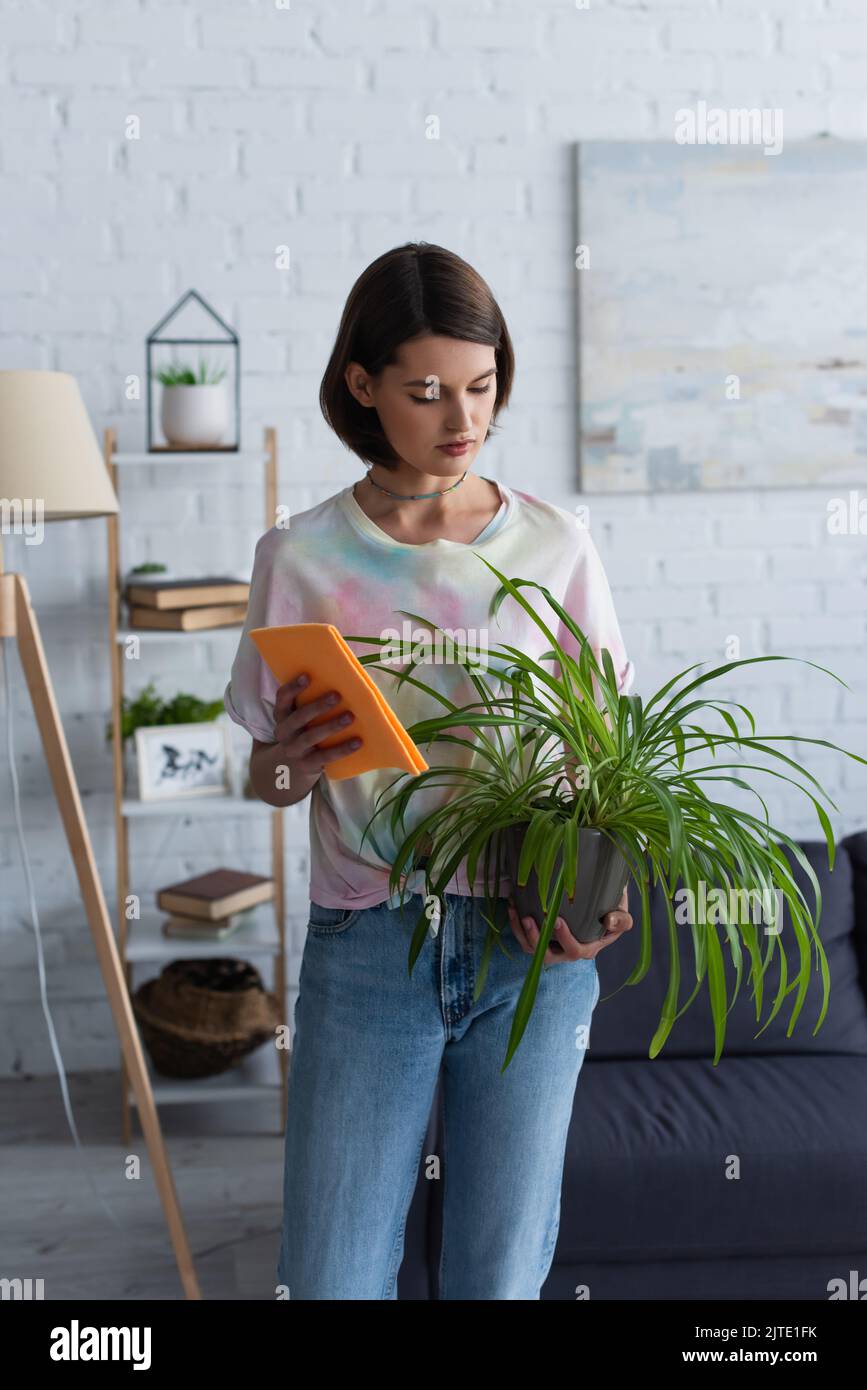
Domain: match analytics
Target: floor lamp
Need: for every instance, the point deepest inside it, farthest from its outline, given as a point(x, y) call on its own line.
point(51, 466)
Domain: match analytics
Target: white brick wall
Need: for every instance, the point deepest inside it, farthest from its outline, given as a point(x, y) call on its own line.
point(306, 125)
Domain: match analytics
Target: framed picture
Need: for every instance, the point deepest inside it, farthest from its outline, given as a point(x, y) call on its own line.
point(181, 760)
point(722, 298)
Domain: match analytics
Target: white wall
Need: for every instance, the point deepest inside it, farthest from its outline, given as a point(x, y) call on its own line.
point(263, 126)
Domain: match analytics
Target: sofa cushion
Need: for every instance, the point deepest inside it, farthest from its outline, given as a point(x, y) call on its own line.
point(806, 1277)
point(627, 1016)
point(651, 1144)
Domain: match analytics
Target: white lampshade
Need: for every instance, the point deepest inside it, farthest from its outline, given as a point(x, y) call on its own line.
point(48, 449)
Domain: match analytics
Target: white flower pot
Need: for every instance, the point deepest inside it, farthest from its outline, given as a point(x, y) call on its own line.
point(195, 416)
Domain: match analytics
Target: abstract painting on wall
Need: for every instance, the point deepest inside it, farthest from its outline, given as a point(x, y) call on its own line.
point(722, 315)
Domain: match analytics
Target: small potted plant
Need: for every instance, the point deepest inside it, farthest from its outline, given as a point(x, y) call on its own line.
point(619, 794)
point(147, 709)
point(194, 413)
point(151, 572)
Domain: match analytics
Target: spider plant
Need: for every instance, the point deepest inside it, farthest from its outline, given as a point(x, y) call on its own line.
point(636, 788)
point(182, 374)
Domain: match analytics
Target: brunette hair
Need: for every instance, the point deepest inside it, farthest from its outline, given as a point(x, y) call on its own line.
point(413, 289)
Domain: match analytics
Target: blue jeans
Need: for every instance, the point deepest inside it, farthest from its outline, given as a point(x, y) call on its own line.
point(368, 1045)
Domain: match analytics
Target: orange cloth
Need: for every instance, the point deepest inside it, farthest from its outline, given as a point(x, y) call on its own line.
point(320, 650)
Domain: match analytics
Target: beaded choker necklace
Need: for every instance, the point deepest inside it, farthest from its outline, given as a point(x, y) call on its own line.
point(416, 496)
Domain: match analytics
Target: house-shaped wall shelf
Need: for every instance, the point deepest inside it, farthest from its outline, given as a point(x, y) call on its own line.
point(196, 413)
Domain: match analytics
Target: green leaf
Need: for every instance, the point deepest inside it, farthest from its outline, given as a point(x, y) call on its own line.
point(527, 996)
point(570, 856)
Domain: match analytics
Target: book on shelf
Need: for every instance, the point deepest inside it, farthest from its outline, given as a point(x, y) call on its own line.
point(194, 928)
point(188, 619)
point(216, 895)
point(188, 593)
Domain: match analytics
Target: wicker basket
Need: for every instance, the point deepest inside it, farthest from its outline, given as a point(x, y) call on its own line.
point(201, 1017)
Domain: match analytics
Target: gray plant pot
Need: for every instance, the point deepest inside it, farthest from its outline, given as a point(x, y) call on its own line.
point(603, 873)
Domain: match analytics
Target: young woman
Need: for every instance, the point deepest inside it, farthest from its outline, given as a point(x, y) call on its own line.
point(422, 366)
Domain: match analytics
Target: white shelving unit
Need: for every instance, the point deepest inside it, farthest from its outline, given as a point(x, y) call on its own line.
point(256, 937)
point(141, 942)
point(212, 807)
point(209, 1088)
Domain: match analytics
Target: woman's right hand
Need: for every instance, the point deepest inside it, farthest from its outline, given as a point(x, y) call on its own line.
point(298, 740)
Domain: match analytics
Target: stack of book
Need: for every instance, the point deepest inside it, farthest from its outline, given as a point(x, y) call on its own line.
point(188, 604)
point(212, 906)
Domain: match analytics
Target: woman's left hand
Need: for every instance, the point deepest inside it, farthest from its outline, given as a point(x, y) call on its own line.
point(562, 945)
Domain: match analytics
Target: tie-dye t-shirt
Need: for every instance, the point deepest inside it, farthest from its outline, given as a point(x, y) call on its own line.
point(333, 564)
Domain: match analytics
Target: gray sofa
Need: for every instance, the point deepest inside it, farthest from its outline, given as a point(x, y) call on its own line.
point(651, 1206)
